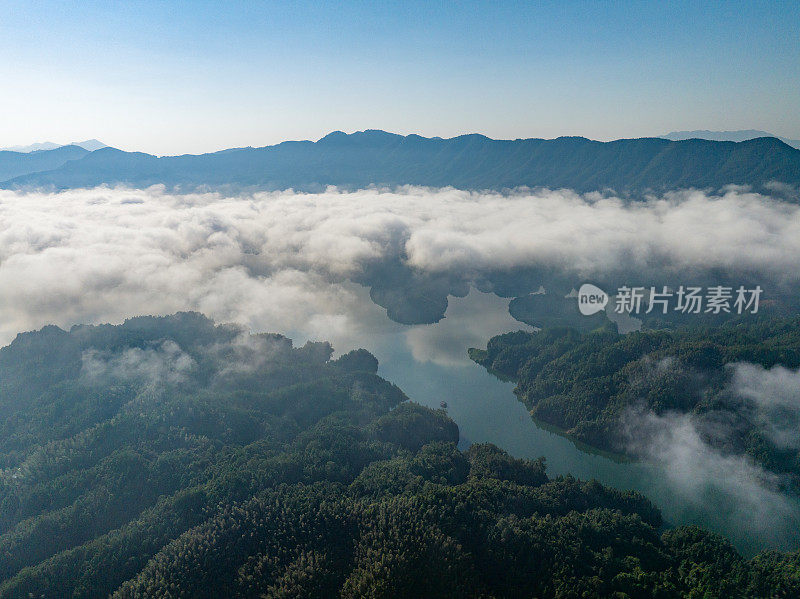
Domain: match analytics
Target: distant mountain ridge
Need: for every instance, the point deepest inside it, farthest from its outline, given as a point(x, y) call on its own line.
point(90, 144)
point(373, 157)
point(738, 135)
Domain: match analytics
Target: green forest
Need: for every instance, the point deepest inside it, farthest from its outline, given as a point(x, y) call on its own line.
point(172, 457)
point(587, 382)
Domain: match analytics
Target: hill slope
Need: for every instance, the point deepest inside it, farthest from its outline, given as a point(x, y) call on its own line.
point(16, 164)
point(169, 457)
point(594, 384)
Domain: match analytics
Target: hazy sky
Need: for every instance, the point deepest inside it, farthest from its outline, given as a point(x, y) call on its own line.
point(179, 77)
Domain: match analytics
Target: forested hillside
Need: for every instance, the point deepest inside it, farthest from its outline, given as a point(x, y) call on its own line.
point(592, 383)
point(170, 457)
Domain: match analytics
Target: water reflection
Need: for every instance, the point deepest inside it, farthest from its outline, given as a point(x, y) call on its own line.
point(430, 363)
point(469, 322)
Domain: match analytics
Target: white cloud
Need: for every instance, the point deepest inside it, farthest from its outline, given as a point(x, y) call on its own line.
point(748, 497)
point(280, 261)
point(165, 363)
point(775, 392)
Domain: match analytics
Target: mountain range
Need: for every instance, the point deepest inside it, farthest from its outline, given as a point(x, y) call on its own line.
point(373, 157)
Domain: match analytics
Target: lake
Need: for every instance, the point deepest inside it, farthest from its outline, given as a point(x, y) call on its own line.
point(430, 363)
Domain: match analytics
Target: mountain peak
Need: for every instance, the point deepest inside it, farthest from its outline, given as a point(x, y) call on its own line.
point(333, 136)
point(89, 144)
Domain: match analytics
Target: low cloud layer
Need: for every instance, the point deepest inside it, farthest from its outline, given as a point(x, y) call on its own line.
point(747, 497)
point(281, 261)
point(165, 363)
point(775, 395)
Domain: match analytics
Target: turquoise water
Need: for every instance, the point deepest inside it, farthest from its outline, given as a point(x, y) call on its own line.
point(430, 363)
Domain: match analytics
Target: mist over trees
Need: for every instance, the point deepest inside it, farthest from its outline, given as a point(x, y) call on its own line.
point(610, 390)
point(174, 457)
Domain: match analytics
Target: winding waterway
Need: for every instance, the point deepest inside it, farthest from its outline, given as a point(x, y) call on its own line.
point(430, 363)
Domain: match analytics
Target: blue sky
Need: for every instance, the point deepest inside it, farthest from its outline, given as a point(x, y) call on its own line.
point(176, 77)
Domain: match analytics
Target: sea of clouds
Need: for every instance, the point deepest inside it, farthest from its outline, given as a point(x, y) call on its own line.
point(282, 260)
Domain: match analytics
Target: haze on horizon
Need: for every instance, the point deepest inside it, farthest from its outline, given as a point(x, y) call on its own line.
point(180, 77)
